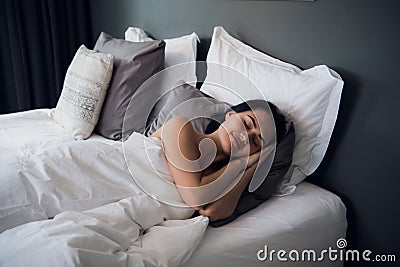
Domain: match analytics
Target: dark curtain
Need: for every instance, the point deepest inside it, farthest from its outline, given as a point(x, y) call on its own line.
point(38, 41)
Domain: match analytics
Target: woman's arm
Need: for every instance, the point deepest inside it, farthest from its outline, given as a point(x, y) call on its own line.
point(225, 206)
point(181, 150)
point(233, 168)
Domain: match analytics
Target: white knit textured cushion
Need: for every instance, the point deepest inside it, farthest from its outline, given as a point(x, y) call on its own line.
point(85, 86)
point(310, 98)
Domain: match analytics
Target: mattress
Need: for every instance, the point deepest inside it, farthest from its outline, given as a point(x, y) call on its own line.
point(311, 218)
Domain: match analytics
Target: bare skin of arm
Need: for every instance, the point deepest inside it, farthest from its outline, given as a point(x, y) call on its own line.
point(185, 145)
point(251, 160)
point(225, 206)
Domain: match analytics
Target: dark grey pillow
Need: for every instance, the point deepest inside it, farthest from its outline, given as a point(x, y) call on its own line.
point(188, 101)
point(134, 63)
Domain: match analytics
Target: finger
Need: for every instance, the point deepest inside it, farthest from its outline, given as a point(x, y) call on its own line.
point(204, 212)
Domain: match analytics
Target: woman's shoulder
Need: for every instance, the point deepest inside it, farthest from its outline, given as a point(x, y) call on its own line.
point(180, 137)
point(179, 123)
point(175, 125)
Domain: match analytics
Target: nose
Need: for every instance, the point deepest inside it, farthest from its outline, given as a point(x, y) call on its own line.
point(245, 136)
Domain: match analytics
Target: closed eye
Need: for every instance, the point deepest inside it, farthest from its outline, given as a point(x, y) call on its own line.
point(255, 142)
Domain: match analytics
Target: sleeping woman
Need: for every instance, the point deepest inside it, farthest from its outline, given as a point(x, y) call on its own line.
point(227, 150)
point(137, 230)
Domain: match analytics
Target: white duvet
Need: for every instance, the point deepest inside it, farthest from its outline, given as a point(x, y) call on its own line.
point(101, 216)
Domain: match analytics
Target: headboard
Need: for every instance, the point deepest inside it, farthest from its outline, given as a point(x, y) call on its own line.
point(356, 38)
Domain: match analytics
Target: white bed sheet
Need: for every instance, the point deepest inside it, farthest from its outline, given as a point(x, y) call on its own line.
point(310, 218)
point(44, 172)
point(28, 137)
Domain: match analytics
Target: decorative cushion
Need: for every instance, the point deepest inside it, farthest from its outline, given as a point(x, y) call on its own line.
point(134, 63)
point(85, 86)
point(310, 98)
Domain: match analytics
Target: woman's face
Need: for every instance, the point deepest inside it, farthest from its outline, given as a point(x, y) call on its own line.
point(245, 132)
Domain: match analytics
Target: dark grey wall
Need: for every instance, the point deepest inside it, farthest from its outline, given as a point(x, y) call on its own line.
point(358, 38)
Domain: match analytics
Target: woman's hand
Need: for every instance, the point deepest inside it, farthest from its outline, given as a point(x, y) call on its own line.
point(221, 208)
point(249, 160)
point(253, 159)
point(226, 205)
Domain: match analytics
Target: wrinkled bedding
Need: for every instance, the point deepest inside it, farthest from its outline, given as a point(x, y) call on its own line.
point(131, 232)
point(102, 217)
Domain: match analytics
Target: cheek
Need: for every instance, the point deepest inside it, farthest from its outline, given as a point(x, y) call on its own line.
point(234, 124)
point(244, 151)
point(254, 149)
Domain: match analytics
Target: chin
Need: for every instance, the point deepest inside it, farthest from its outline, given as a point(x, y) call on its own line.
point(237, 154)
point(244, 152)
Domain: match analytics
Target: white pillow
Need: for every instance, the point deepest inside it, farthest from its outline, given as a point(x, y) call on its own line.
point(177, 51)
point(310, 98)
point(85, 86)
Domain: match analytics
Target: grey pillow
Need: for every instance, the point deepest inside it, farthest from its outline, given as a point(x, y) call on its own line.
point(188, 101)
point(134, 63)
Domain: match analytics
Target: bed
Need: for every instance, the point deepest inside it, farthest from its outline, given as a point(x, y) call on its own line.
point(66, 187)
point(310, 218)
